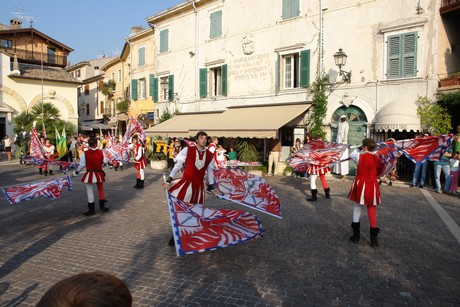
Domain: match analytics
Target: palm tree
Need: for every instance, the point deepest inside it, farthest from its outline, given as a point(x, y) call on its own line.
point(46, 114)
point(23, 119)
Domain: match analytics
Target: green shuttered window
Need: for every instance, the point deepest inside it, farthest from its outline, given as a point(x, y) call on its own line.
point(305, 68)
point(291, 8)
point(215, 24)
point(134, 89)
point(164, 40)
point(141, 56)
point(203, 82)
point(402, 56)
point(224, 80)
point(171, 88)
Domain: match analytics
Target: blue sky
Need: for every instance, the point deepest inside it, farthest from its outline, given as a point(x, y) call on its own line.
point(91, 28)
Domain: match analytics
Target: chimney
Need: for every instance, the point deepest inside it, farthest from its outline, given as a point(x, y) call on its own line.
point(15, 23)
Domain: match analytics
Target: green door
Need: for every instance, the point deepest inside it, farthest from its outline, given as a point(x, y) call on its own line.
point(356, 128)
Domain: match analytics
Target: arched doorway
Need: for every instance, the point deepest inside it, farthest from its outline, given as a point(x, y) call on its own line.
point(357, 129)
point(357, 120)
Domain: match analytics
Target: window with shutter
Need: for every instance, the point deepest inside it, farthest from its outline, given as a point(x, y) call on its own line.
point(155, 90)
point(171, 87)
point(215, 24)
point(402, 55)
point(203, 82)
point(224, 80)
point(305, 68)
point(141, 52)
point(134, 89)
point(291, 8)
point(164, 39)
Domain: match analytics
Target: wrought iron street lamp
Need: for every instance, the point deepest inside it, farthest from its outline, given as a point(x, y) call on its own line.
point(340, 59)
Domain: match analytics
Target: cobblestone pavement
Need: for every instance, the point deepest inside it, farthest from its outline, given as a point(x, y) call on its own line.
point(305, 259)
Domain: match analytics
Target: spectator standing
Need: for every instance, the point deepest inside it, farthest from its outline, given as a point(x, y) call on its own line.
point(7, 146)
point(420, 167)
point(454, 172)
point(443, 165)
point(341, 168)
point(274, 149)
point(232, 154)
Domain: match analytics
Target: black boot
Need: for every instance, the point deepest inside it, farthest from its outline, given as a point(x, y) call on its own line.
point(314, 194)
point(46, 173)
point(51, 172)
point(91, 210)
point(327, 192)
point(374, 234)
point(141, 184)
point(171, 242)
point(40, 171)
point(116, 168)
point(137, 183)
point(102, 205)
point(355, 237)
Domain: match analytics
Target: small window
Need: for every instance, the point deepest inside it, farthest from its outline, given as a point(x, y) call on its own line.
point(142, 93)
point(402, 56)
point(86, 89)
point(141, 52)
point(216, 81)
point(164, 88)
point(119, 75)
point(78, 73)
point(87, 109)
point(291, 71)
point(215, 24)
point(6, 43)
point(113, 76)
point(79, 92)
point(291, 8)
point(51, 55)
point(164, 40)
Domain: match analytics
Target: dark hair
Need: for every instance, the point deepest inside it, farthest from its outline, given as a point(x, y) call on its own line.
point(94, 289)
point(200, 133)
point(92, 142)
point(369, 143)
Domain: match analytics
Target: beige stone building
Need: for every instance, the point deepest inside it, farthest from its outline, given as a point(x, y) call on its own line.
point(32, 71)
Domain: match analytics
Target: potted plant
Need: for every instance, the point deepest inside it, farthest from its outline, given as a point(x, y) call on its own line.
point(156, 154)
point(247, 152)
point(451, 80)
point(288, 171)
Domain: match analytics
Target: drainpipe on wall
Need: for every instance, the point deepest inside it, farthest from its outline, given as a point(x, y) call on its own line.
point(196, 50)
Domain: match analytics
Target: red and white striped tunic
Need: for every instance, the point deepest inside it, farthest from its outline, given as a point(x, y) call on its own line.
point(93, 159)
point(365, 189)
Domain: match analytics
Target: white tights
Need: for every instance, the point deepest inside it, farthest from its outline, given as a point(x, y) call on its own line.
point(90, 192)
point(356, 212)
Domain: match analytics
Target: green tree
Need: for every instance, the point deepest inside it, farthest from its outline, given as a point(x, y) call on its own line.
point(433, 117)
point(168, 112)
point(23, 119)
point(122, 106)
point(319, 89)
point(247, 151)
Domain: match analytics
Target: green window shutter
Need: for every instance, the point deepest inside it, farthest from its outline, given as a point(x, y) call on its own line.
point(134, 89)
point(164, 40)
point(224, 80)
point(291, 8)
point(171, 88)
point(394, 57)
point(277, 72)
point(409, 56)
point(215, 24)
point(155, 90)
point(203, 82)
point(151, 84)
point(141, 53)
point(305, 68)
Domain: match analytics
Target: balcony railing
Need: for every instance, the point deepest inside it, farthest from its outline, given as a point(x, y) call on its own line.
point(108, 112)
point(35, 57)
point(449, 5)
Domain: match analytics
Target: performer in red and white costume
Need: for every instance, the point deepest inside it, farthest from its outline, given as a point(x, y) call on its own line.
point(199, 161)
point(320, 170)
point(93, 159)
point(139, 161)
point(365, 189)
point(212, 147)
point(49, 154)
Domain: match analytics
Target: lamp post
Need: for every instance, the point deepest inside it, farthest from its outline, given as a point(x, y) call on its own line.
point(340, 59)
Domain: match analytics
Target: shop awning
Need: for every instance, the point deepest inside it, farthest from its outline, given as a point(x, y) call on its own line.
point(399, 116)
point(254, 121)
point(261, 121)
point(180, 124)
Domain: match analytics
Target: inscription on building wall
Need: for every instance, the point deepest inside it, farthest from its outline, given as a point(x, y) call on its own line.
point(251, 67)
